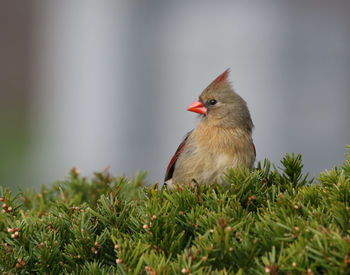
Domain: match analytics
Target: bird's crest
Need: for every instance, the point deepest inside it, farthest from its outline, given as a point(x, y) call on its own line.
point(221, 78)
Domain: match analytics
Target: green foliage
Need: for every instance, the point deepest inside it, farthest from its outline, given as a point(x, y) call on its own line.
point(266, 221)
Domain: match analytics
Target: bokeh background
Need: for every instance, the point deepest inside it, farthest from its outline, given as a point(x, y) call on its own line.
point(97, 83)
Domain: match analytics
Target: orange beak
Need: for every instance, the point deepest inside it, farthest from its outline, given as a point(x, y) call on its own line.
point(197, 107)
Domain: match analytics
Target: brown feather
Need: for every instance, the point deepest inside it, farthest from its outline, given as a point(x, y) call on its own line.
point(221, 140)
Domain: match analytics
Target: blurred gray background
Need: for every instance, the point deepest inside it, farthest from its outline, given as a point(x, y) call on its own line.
point(97, 83)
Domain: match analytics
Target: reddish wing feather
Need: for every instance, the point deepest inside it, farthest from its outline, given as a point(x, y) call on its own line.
point(254, 149)
point(171, 166)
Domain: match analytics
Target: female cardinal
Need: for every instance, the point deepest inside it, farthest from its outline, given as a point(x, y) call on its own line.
point(222, 139)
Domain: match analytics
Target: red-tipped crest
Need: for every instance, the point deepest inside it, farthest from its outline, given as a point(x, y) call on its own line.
point(222, 78)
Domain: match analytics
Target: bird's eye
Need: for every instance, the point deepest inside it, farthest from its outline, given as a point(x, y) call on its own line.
point(212, 101)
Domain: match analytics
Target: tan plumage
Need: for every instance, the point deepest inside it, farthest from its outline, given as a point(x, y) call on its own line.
point(221, 140)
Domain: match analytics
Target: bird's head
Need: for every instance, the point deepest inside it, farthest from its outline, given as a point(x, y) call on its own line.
point(220, 106)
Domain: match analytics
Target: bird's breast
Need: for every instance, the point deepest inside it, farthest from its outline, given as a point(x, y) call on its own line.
point(223, 160)
point(207, 155)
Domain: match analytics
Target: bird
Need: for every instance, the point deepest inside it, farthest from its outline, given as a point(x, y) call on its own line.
point(222, 139)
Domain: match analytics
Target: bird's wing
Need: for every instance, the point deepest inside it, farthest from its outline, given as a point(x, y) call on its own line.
point(254, 149)
point(171, 166)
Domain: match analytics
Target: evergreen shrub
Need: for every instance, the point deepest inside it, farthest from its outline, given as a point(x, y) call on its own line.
point(266, 221)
